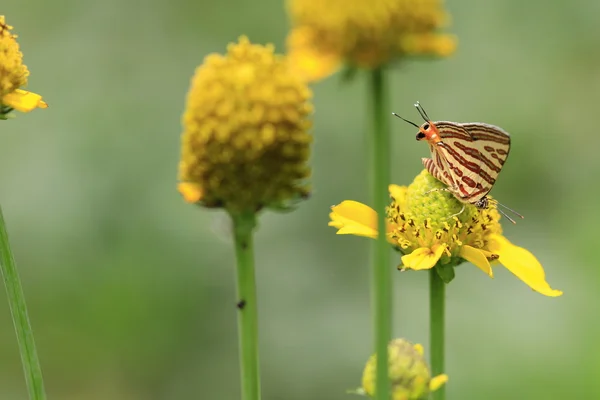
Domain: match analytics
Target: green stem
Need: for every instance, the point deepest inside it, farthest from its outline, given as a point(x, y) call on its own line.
point(381, 280)
point(243, 226)
point(437, 289)
point(18, 309)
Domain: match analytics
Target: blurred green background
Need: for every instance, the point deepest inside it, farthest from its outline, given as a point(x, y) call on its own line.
point(131, 291)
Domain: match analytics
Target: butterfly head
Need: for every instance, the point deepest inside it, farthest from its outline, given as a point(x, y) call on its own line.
point(427, 131)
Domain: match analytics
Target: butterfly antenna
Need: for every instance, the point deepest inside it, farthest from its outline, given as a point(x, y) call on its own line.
point(497, 203)
point(422, 111)
point(405, 120)
point(511, 210)
point(506, 215)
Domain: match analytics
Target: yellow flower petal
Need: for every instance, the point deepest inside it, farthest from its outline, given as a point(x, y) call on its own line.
point(191, 193)
point(306, 61)
point(423, 258)
point(437, 382)
point(24, 101)
point(354, 218)
point(397, 192)
point(419, 348)
point(523, 264)
point(489, 255)
point(477, 258)
point(429, 43)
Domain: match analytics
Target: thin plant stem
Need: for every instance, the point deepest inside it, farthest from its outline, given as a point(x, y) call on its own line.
point(18, 310)
point(381, 289)
point(437, 289)
point(243, 226)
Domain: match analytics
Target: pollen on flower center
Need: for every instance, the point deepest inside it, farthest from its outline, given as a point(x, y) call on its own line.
point(409, 374)
point(13, 74)
point(423, 217)
point(426, 225)
point(364, 34)
point(246, 137)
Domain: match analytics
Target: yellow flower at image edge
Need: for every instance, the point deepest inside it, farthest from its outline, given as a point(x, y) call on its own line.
point(409, 375)
point(246, 141)
point(366, 34)
point(13, 76)
point(418, 225)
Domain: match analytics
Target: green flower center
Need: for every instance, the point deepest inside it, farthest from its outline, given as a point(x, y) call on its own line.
point(408, 371)
point(425, 215)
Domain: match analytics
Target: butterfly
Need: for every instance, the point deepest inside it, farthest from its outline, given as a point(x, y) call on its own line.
point(466, 157)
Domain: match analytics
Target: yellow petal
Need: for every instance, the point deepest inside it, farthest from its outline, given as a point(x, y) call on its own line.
point(354, 218)
point(489, 255)
point(477, 258)
point(306, 59)
point(24, 101)
point(191, 193)
point(396, 191)
point(523, 264)
point(437, 382)
point(419, 348)
point(429, 43)
point(423, 257)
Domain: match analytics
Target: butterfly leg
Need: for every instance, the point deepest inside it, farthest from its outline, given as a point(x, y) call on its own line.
point(458, 213)
point(451, 189)
point(439, 190)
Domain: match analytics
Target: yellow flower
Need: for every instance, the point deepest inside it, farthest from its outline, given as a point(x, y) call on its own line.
point(418, 225)
point(13, 76)
point(408, 371)
point(246, 141)
point(365, 34)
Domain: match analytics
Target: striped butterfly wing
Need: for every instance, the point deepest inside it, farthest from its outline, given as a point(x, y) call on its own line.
point(469, 159)
point(493, 145)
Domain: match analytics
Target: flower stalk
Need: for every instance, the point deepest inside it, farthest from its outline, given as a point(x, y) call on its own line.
point(243, 226)
point(18, 309)
point(437, 298)
point(245, 148)
point(381, 281)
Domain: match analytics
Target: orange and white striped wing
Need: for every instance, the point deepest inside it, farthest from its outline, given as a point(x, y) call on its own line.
point(470, 158)
point(493, 145)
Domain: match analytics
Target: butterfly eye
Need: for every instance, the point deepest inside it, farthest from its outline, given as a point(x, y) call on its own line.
point(420, 136)
point(426, 126)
